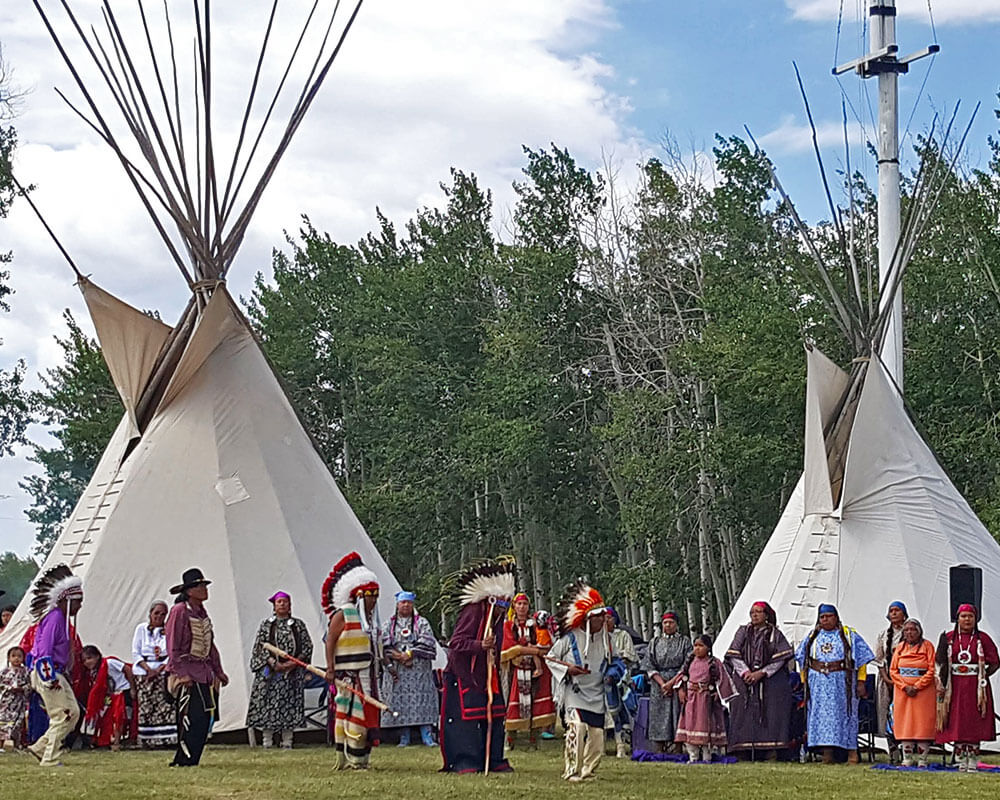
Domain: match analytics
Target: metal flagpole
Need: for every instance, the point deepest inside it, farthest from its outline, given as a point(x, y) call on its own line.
point(882, 62)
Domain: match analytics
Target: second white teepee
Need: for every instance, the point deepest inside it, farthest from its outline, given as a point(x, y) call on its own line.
point(899, 526)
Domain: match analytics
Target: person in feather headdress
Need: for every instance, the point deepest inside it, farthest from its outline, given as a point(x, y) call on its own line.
point(472, 706)
point(350, 600)
point(584, 668)
point(57, 597)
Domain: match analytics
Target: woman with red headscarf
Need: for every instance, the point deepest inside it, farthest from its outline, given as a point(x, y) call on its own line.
point(966, 658)
point(530, 707)
point(760, 717)
point(664, 658)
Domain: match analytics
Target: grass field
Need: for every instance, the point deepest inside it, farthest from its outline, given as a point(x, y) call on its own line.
point(410, 774)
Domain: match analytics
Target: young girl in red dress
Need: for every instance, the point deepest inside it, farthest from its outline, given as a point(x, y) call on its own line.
point(702, 684)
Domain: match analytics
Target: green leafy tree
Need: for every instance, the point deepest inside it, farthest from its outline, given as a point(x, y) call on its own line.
point(528, 430)
point(13, 404)
point(952, 334)
point(16, 575)
point(378, 344)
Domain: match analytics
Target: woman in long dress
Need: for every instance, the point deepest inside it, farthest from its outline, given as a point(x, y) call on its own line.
point(530, 706)
point(914, 703)
point(966, 658)
point(157, 716)
point(834, 660)
point(277, 700)
point(760, 717)
point(408, 678)
point(886, 644)
point(664, 658)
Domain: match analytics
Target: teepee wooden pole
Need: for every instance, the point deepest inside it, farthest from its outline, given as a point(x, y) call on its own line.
point(210, 219)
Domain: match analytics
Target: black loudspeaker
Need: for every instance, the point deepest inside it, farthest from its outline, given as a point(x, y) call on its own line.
point(966, 586)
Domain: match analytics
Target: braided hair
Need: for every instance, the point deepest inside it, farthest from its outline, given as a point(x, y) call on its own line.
point(888, 638)
point(848, 657)
point(943, 654)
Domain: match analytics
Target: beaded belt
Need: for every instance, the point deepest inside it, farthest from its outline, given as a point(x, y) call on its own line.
point(965, 669)
point(912, 672)
point(826, 667)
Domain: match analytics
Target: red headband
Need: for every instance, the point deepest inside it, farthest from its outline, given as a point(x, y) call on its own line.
point(669, 615)
point(369, 589)
point(967, 607)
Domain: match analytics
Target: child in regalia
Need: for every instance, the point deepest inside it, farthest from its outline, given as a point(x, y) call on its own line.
point(15, 686)
point(702, 685)
point(106, 717)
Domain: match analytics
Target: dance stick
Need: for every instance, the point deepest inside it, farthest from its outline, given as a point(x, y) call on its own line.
point(489, 684)
point(566, 664)
point(322, 674)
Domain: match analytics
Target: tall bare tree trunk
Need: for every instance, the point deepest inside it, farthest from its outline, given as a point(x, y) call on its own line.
point(537, 571)
point(443, 619)
point(553, 576)
point(682, 535)
point(657, 601)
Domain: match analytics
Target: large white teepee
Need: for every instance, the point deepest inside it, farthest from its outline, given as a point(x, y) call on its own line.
point(223, 478)
point(898, 527)
point(210, 466)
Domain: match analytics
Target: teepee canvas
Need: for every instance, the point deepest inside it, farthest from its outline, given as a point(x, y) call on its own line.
point(874, 518)
point(223, 478)
point(898, 527)
point(210, 466)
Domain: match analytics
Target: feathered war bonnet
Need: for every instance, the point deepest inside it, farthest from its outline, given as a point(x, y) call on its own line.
point(486, 580)
point(348, 583)
point(57, 583)
point(579, 602)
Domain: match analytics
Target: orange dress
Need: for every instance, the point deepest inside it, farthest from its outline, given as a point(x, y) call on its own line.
point(913, 718)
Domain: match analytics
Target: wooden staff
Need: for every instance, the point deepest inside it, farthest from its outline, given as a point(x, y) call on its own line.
point(342, 684)
point(489, 685)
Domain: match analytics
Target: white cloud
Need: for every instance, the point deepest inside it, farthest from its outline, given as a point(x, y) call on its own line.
point(945, 11)
point(792, 136)
point(418, 88)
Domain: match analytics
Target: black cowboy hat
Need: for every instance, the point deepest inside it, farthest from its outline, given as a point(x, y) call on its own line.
point(191, 578)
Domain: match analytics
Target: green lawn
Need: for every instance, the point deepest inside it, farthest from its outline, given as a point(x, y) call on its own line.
point(411, 774)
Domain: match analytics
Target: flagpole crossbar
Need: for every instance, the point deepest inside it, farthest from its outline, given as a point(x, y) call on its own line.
point(884, 61)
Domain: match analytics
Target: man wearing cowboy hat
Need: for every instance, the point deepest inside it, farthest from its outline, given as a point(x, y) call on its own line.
point(194, 669)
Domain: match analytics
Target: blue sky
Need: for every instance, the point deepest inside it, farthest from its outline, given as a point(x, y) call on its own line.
point(422, 87)
point(704, 67)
